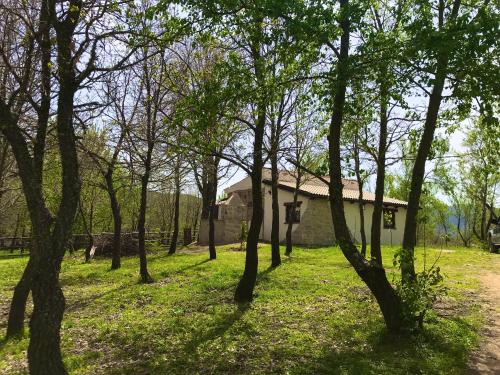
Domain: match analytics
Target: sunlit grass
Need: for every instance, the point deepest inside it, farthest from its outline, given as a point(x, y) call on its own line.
point(311, 315)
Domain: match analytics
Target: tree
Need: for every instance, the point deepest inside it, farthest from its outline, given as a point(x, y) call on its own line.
point(438, 35)
point(147, 132)
point(91, 181)
point(49, 233)
point(301, 151)
point(122, 107)
point(9, 189)
point(24, 122)
point(480, 170)
point(179, 172)
point(243, 24)
point(371, 272)
point(206, 109)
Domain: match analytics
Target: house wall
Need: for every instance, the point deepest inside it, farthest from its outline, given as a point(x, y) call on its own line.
point(244, 184)
point(316, 227)
point(387, 236)
point(228, 229)
point(284, 196)
point(219, 232)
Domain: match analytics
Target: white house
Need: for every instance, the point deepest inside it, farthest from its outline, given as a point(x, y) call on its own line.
point(312, 221)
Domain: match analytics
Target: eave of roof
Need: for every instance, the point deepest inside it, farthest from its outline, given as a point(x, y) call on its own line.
point(317, 191)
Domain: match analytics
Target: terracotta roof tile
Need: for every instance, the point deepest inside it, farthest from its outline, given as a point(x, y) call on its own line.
point(347, 193)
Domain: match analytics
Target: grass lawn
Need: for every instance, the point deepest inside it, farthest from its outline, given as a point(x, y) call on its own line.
point(312, 315)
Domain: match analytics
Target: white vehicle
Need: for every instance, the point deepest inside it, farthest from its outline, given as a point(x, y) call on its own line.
point(494, 238)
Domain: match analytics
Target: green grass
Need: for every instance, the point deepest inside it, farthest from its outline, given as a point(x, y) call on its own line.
point(312, 315)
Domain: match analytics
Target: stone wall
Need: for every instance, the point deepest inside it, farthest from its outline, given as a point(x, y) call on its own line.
point(226, 231)
point(316, 227)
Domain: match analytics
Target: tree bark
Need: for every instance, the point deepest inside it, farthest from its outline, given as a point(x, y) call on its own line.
point(418, 172)
point(117, 220)
point(244, 290)
point(289, 228)
point(15, 324)
point(141, 225)
point(175, 234)
point(212, 191)
point(375, 248)
point(372, 274)
point(275, 226)
point(50, 235)
point(88, 229)
point(44, 352)
point(361, 205)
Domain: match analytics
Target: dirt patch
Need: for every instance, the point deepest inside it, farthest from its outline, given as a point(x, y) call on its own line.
point(486, 359)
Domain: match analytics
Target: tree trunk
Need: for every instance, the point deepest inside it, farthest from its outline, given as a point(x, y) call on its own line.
point(50, 235)
point(15, 325)
point(375, 248)
point(361, 205)
point(244, 290)
point(289, 228)
point(418, 173)
point(145, 277)
point(117, 221)
point(212, 191)
point(211, 233)
point(44, 351)
point(14, 239)
point(484, 197)
point(175, 234)
point(275, 227)
point(88, 230)
point(372, 274)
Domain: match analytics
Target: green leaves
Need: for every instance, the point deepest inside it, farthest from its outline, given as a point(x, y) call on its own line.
point(419, 295)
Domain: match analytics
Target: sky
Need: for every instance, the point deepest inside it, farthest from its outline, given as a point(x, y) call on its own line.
point(456, 140)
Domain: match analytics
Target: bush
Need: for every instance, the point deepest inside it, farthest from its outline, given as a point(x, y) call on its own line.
point(243, 235)
point(419, 294)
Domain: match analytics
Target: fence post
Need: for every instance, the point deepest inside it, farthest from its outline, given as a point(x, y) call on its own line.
point(188, 238)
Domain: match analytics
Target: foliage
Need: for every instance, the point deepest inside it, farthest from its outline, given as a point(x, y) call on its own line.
point(419, 295)
point(243, 235)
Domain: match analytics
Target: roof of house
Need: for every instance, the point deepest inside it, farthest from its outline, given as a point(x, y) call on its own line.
point(320, 189)
point(289, 177)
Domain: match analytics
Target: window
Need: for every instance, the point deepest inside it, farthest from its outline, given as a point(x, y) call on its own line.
point(389, 218)
point(292, 216)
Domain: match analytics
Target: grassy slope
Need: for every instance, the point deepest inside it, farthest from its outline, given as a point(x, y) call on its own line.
point(312, 315)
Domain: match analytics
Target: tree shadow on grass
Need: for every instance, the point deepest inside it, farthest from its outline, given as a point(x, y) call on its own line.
point(82, 303)
point(262, 276)
point(425, 352)
point(166, 274)
point(14, 256)
point(189, 358)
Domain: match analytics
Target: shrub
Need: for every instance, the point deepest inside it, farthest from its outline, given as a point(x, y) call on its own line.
point(419, 294)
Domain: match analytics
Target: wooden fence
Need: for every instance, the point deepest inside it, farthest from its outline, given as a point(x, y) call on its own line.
point(79, 241)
